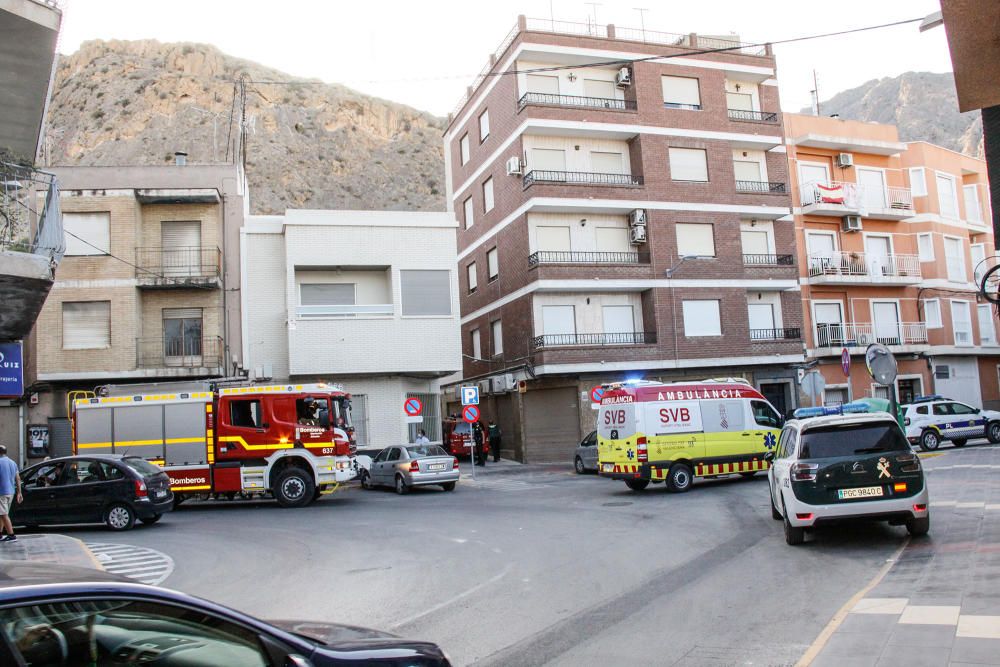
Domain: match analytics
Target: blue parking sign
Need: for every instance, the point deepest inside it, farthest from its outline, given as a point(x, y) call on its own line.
point(470, 395)
point(11, 370)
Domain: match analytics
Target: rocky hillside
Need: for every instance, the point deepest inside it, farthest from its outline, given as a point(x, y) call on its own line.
point(309, 145)
point(922, 104)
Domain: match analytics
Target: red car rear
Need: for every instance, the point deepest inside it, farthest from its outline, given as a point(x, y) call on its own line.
point(456, 438)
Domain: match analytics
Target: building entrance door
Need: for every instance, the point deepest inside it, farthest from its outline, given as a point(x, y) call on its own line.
point(777, 394)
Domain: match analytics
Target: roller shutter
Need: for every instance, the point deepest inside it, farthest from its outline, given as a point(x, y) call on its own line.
point(552, 425)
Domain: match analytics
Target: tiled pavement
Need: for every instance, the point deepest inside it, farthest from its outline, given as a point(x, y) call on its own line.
point(939, 604)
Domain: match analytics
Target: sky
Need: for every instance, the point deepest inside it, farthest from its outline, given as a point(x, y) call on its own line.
point(424, 53)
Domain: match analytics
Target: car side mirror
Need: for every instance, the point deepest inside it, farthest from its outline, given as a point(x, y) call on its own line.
point(769, 456)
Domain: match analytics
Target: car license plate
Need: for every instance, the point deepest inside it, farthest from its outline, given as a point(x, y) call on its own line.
point(160, 494)
point(436, 466)
point(861, 492)
point(608, 467)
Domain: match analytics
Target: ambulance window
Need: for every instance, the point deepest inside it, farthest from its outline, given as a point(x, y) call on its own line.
point(765, 415)
point(245, 413)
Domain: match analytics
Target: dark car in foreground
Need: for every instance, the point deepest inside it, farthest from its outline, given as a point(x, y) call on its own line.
point(111, 489)
point(55, 615)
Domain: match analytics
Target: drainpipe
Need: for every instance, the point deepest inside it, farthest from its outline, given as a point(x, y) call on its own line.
point(20, 435)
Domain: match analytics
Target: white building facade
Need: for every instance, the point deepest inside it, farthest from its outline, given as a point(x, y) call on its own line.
point(368, 299)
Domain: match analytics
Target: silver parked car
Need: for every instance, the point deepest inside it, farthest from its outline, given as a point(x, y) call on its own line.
point(586, 454)
point(404, 466)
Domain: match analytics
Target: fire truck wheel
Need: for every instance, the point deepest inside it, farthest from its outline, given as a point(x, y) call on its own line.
point(119, 517)
point(150, 520)
point(679, 478)
point(401, 487)
point(637, 484)
point(293, 487)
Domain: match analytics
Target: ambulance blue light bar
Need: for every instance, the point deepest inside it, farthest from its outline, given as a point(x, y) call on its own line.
point(826, 411)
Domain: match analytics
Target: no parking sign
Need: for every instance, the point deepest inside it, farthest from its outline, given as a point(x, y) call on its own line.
point(470, 413)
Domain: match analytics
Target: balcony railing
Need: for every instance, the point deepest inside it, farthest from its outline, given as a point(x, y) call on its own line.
point(787, 333)
point(767, 187)
point(900, 199)
point(863, 335)
point(180, 352)
point(178, 266)
point(547, 99)
point(28, 223)
point(580, 178)
point(753, 116)
point(351, 310)
point(768, 260)
point(831, 193)
point(568, 257)
point(565, 340)
point(860, 264)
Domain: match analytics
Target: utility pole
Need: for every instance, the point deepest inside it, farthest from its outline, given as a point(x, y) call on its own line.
point(593, 9)
point(642, 20)
point(815, 92)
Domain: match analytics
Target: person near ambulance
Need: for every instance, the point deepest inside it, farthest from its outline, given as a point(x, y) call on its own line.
point(673, 433)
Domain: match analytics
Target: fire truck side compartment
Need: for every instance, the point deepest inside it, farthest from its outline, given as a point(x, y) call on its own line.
point(226, 477)
point(138, 430)
point(93, 426)
point(185, 422)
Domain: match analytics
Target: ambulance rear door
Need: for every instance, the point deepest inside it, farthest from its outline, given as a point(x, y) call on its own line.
point(674, 430)
point(617, 431)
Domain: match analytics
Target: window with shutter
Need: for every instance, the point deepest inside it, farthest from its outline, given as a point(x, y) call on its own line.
point(493, 264)
point(695, 239)
point(552, 239)
point(701, 318)
point(607, 163)
point(463, 144)
point(477, 348)
point(87, 233)
point(947, 196)
point(925, 246)
point(484, 125)
point(327, 294)
point(543, 83)
point(180, 247)
point(681, 92)
point(86, 325)
point(488, 195)
point(469, 219)
point(599, 89)
point(612, 239)
point(473, 276)
point(548, 159)
point(496, 334)
point(425, 292)
point(688, 164)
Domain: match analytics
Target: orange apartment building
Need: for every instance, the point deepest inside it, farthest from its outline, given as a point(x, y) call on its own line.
point(892, 238)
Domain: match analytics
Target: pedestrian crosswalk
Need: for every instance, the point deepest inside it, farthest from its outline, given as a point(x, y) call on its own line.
point(147, 566)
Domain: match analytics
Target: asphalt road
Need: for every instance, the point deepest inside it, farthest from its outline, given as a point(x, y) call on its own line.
point(541, 567)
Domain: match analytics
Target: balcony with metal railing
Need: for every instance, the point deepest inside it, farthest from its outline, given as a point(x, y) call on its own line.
point(758, 259)
point(178, 267)
point(890, 203)
point(575, 257)
point(779, 334)
point(831, 338)
point(540, 176)
point(749, 116)
point(761, 187)
point(593, 339)
point(835, 198)
point(189, 355)
point(575, 101)
point(859, 268)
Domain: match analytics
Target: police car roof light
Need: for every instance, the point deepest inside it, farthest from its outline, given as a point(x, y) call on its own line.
point(931, 397)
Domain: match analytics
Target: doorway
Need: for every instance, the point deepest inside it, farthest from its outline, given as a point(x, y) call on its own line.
point(777, 395)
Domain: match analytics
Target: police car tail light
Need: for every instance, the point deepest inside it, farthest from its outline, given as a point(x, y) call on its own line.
point(919, 507)
point(804, 472)
point(804, 517)
point(414, 466)
point(140, 488)
point(911, 462)
point(641, 450)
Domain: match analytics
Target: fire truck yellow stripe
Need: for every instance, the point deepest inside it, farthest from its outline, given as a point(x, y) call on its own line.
point(277, 445)
point(203, 487)
point(139, 443)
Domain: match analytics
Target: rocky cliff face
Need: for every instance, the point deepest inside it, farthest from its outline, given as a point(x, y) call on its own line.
point(309, 145)
point(922, 104)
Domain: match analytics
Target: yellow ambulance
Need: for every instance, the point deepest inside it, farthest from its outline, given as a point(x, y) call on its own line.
point(672, 433)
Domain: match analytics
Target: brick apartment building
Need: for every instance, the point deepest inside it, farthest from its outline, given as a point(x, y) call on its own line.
point(148, 289)
point(892, 239)
point(579, 192)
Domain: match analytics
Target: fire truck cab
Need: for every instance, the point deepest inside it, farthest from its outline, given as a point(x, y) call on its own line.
point(294, 441)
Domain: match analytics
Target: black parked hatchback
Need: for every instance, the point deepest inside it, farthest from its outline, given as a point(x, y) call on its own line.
point(102, 488)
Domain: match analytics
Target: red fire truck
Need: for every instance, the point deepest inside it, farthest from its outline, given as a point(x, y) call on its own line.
point(295, 441)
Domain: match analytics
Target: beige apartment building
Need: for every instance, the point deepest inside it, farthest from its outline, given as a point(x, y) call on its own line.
point(892, 240)
point(148, 290)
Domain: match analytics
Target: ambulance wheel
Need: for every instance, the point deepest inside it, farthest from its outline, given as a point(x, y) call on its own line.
point(793, 535)
point(679, 478)
point(150, 520)
point(919, 527)
point(748, 475)
point(959, 442)
point(293, 487)
point(578, 465)
point(401, 487)
point(637, 484)
point(119, 517)
point(929, 440)
point(993, 432)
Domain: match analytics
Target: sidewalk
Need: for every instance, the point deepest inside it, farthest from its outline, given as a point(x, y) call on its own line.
point(939, 603)
point(508, 467)
point(49, 548)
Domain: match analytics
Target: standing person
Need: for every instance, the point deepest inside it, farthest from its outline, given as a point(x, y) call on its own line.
point(477, 437)
point(422, 438)
point(495, 433)
point(10, 482)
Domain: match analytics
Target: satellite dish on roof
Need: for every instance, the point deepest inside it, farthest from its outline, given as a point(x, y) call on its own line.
point(881, 364)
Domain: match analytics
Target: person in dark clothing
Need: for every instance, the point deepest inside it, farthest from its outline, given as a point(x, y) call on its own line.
point(494, 433)
point(477, 437)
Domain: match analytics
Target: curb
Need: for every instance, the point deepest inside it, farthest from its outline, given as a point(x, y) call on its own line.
point(50, 548)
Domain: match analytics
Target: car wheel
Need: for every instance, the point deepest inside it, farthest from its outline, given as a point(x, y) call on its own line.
point(578, 464)
point(119, 517)
point(150, 520)
point(748, 475)
point(366, 480)
point(448, 486)
point(919, 527)
point(293, 487)
point(929, 440)
point(401, 487)
point(993, 432)
point(637, 484)
point(679, 478)
point(775, 514)
point(959, 442)
point(793, 535)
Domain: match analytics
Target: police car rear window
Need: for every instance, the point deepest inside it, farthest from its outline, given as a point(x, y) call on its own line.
point(850, 439)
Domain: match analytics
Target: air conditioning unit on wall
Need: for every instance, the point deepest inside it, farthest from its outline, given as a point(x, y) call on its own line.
point(850, 223)
point(845, 160)
point(637, 235)
point(624, 78)
point(514, 166)
point(637, 218)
